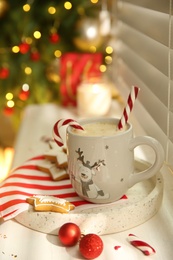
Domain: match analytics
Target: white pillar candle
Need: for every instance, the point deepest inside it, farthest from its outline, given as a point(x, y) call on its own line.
point(93, 99)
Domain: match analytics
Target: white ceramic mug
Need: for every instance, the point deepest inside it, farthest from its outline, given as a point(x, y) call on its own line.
point(101, 168)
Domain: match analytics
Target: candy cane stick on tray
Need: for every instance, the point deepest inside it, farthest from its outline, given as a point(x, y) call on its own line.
point(141, 245)
point(59, 124)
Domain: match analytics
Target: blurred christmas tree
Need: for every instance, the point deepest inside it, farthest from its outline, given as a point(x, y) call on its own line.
point(34, 35)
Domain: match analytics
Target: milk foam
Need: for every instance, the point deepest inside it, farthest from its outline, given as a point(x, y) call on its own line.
point(99, 129)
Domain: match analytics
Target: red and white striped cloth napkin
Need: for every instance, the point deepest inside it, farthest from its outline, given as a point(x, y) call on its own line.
point(27, 180)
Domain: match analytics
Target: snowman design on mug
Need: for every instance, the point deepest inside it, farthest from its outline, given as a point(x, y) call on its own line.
point(86, 171)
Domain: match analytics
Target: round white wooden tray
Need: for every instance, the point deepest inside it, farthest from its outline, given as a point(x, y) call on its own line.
point(144, 200)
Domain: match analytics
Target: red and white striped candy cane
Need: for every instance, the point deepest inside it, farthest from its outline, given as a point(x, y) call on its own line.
point(130, 102)
point(59, 124)
point(141, 245)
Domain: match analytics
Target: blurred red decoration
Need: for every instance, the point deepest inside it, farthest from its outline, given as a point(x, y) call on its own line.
point(24, 47)
point(4, 73)
point(75, 67)
point(23, 95)
point(35, 56)
point(8, 110)
point(54, 38)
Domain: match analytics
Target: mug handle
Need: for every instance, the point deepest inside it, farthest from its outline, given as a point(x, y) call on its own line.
point(159, 158)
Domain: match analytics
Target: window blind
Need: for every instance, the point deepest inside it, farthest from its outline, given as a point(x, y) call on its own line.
point(144, 57)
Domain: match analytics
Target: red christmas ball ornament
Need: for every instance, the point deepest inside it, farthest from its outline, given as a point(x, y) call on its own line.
point(4, 73)
point(69, 234)
point(24, 47)
point(91, 246)
point(54, 38)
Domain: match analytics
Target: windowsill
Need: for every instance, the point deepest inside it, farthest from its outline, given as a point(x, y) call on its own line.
point(38, 121)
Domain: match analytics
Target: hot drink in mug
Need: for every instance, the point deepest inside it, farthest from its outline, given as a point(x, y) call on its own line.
point(101, 159)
